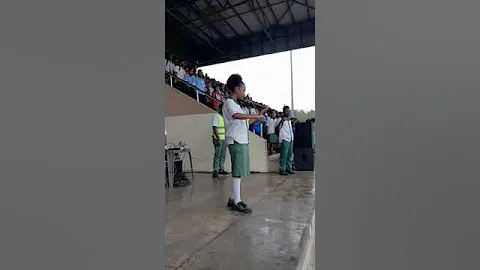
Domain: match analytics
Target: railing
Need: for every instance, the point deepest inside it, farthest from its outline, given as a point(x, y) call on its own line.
point(196, 93)
point(190, 90)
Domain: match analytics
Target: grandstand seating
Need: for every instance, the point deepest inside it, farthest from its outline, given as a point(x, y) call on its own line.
point(205, 95)
point(190, 121)
point(189, 112)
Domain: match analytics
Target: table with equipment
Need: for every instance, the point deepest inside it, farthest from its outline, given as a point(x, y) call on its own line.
point(174, 154)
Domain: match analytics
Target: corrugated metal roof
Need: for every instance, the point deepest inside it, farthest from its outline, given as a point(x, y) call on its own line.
point(215, 24)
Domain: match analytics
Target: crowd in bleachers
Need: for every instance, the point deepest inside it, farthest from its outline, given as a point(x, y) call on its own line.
point(212, 92)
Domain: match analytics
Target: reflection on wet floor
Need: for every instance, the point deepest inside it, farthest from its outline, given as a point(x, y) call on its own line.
point(201, 233)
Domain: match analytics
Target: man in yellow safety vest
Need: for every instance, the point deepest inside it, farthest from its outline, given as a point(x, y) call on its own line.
point(219, 144)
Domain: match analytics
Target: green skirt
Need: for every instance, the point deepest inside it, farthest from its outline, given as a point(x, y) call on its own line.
point(240, 159)
point(272, 138)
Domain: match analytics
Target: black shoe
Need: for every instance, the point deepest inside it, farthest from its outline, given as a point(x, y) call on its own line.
point(283, 173)
point(215, 174)
point(242, 208)
point(290, 172)
point(223, 172)
point(230, 203)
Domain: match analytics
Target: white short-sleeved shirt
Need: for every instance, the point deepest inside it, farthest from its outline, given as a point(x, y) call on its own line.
point(277, 121)
point(180, 72)
point(215, 120)
point(271, 125)
point(286, 132)
point(235, 130)
point(170, 67)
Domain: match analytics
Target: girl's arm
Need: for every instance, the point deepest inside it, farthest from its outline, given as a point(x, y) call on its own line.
point(242, 116)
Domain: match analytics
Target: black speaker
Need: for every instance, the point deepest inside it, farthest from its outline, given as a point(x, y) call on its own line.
point(304, 159)
point(303, 136)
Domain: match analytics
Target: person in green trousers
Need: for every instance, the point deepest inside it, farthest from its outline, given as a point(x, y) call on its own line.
point(219, 144)
point(286, 140)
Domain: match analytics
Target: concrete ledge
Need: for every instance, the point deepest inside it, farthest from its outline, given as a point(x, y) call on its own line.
point(191, 122)
point(307, 245)
point(196, 132)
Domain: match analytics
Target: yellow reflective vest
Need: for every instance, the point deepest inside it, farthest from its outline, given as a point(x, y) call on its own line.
point(220, 128)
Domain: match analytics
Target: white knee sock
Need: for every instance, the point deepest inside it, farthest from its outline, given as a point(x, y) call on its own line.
point(236, 189)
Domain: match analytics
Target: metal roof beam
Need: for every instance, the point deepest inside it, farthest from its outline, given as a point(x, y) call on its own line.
point(232, 5)
point(220, 15)
point(206, 22)
point(238, 15)
point(273, 12)
point(178, 3)
point(304, 4)
point(308, 10)
point(291, 13)
point(188, 16)
point(289, 4)
point(242, 52)
point(265, 28)
point(262, 46)
point(262, 10)
point(209, 42)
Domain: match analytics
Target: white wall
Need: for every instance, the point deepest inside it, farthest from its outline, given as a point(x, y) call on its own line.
point(196, 131)
point(258, 154)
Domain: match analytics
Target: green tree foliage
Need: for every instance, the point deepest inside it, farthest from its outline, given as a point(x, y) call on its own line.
point(302, 115)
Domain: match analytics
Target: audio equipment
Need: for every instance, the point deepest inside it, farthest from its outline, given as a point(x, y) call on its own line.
point(304, 159)
point(303, 136)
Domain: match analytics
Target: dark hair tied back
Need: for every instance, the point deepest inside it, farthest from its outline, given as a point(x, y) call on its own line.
point(234, 81)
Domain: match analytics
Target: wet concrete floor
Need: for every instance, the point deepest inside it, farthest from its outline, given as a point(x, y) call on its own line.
point(201, 233)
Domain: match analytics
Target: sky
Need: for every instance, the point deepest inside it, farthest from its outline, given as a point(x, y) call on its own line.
point(267, 78)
